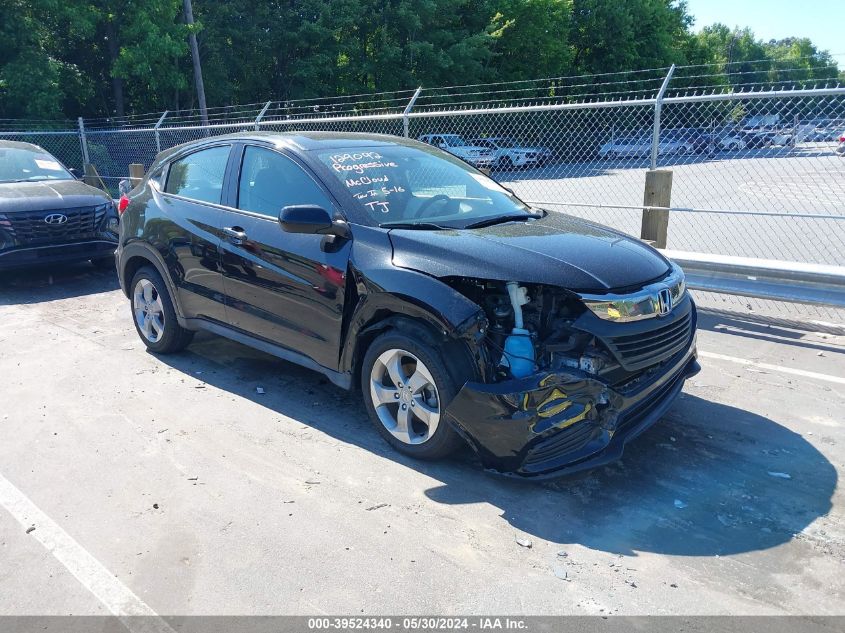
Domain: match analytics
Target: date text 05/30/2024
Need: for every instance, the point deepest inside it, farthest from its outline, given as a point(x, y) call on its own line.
point(417, 624)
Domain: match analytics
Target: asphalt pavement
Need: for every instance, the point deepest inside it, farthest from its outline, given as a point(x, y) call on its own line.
point(224, 481)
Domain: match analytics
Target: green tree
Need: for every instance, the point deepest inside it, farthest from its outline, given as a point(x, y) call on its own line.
point(104, 57)
point(799, 61)
point(142, 42)
point(610, 36)
point(735, 53)
point(534, 39)
point(35, 80)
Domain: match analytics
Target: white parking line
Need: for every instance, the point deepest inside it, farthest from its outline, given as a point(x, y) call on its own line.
point(114, 595)
point(777, 368)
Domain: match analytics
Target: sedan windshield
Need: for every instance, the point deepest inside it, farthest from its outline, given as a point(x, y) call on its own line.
point(26, 165)
point(453, 140)
point(505, 142)
point(420, 188)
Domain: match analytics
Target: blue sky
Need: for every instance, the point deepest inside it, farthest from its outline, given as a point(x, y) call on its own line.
point(823, 21)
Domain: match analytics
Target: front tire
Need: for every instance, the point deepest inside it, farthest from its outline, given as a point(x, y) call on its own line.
point(406, 387)
point(154, 315)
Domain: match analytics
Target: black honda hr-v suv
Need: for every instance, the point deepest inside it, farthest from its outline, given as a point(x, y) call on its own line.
point(47, 215)
point(544, 341)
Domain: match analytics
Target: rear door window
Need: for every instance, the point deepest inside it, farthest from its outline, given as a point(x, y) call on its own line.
point(199, 176)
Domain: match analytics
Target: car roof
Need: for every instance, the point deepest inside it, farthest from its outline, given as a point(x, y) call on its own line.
point(302, 141)
point(20, 145)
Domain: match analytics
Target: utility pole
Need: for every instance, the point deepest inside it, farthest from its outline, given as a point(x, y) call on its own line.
point(195, 55)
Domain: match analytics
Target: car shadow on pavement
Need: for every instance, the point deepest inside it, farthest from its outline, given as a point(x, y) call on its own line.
point(709, 479)
point(49, 283)
point(772, 329)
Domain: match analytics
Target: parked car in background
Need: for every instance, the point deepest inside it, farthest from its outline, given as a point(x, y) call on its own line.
point(682, 141)
point(543, 341)
point(732, 141)
point(840, 149)
point(627, 147)
point(455, 144)
point(510, 153)
point(758, 138)
point(47, 215)
point(821, 135)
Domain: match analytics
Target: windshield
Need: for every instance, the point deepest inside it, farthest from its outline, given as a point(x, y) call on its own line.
point(453, 140)
point(505, 142)
point(21, 165)
point(422, 186)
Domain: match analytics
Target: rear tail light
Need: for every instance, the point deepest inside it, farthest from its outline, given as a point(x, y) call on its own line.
point(122, 203)
point(842, 139)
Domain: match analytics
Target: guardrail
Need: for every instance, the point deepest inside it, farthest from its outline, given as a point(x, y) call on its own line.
point(793, 282)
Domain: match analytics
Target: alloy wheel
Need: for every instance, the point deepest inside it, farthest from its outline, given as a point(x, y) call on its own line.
point(148, 309)
point(404, 396)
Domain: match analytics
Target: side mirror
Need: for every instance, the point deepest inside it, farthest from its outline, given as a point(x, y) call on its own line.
point(75, 173)
point(311, 219)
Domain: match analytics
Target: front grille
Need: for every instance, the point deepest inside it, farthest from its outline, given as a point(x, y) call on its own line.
point(562, 443)
point(638, 351)
point(29, 227)
point(644, 407)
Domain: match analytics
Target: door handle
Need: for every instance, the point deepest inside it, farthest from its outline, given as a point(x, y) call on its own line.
point(235, 234)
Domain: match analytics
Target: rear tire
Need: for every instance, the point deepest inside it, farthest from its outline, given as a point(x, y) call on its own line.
point(406, 387)
point(154, 315)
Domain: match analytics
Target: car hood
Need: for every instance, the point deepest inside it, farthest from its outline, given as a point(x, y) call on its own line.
point(558, 250)
point(51, 195)
point(469, 148)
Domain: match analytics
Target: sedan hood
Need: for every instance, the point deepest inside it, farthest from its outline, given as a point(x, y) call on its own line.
point(48, 195)
point(558, 250)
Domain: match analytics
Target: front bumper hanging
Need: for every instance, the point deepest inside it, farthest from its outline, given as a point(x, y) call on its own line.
point(555, 423)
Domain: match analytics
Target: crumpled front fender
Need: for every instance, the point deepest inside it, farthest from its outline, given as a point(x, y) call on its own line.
point(503, 418)
point(552, 423)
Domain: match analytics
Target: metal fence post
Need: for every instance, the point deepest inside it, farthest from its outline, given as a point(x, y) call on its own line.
point(407, 111)
point(83, 142)
point(658, 105)
point(261, 115)
point(158, 125)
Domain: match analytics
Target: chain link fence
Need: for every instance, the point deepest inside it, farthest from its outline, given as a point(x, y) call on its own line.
point(755, 172)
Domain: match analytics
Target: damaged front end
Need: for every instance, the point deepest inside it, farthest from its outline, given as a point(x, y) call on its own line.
point(585, 377)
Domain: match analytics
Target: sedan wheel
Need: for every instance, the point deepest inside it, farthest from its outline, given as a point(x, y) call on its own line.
point(153, 313)
point(407, 389)
point(405, 396)
point(149, 311)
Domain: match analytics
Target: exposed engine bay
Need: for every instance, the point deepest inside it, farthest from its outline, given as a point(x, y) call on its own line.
point(531, 329)
point(565, 388)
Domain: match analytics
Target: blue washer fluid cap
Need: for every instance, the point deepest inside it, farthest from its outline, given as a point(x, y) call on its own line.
point(519, 353)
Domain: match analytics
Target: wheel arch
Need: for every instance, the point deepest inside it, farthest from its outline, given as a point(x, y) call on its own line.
point(134, 257)
point(436, 313)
